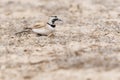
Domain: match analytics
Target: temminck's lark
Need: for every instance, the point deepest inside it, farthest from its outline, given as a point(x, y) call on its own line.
point(44, 30)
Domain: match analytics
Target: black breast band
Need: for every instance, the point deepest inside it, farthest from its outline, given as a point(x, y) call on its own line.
point(52, 25)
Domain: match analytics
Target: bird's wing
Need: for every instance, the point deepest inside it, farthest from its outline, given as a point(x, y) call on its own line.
point(39, 25)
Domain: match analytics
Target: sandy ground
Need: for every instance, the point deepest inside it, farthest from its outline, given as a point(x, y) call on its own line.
point(86, 46)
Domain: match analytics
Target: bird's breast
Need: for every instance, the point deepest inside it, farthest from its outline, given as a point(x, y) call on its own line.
point(51, 28)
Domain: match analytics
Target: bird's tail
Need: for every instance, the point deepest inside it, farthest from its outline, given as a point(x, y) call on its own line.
point(24, 32)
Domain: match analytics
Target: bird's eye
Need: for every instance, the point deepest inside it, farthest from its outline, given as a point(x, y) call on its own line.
point(56, 19)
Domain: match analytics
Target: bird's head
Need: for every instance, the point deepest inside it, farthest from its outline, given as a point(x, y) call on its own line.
point(53, 19)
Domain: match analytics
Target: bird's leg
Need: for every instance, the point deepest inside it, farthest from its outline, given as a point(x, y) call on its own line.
point(51, 35)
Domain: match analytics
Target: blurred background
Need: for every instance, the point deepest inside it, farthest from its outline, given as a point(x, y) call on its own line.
point(86, 45)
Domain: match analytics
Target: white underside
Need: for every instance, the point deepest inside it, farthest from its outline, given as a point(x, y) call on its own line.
point(43, 31)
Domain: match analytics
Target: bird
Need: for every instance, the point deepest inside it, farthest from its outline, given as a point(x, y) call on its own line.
point(46, 30)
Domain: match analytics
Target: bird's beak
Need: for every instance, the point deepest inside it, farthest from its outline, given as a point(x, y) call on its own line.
point(59, 20)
